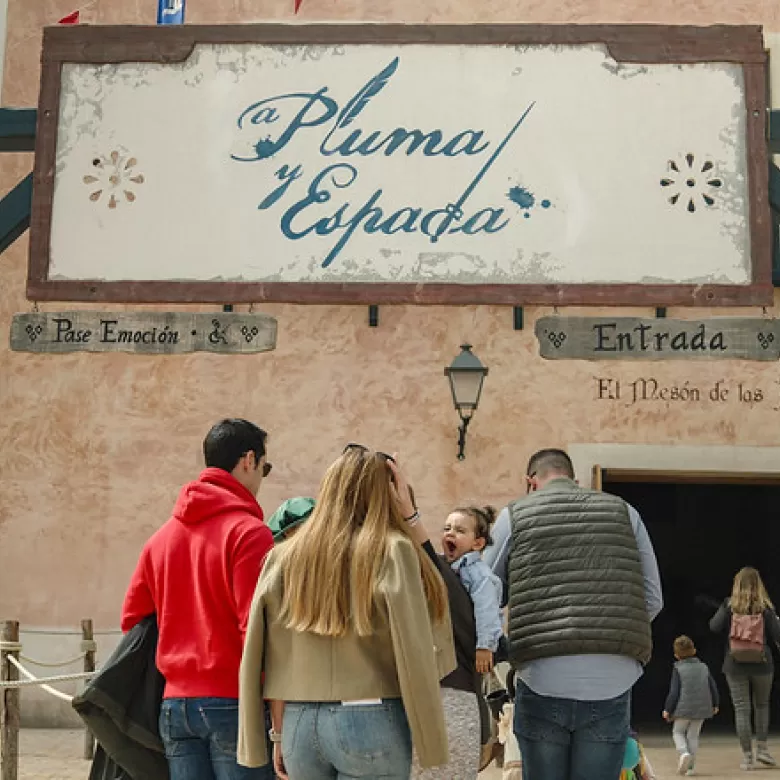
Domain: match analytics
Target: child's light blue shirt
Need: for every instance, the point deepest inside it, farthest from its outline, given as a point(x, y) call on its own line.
point(485, 589)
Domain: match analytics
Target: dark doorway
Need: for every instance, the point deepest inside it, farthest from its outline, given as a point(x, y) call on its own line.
point(704, 529)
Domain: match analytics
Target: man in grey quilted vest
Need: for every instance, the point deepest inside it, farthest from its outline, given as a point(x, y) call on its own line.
point(583, 586)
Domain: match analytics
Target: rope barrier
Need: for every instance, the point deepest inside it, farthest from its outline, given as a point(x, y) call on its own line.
point(52, 665)
point(69, 632)
point(11, 665)
point(33, 680)
point(87, 646)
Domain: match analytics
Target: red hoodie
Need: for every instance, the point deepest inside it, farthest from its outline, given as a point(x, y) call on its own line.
point(198, 574)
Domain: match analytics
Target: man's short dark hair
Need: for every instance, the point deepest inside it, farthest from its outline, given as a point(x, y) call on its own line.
point(547, 462)
point(229, 440)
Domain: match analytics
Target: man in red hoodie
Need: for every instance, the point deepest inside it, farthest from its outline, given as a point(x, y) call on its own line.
point(198, 575)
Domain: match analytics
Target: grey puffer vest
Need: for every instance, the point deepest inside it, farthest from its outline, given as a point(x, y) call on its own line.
point(575, 576)
point(695, 698)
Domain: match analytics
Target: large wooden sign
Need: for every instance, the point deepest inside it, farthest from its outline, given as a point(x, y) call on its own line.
point(387, 164)
point(144, 333)
point(633, 338)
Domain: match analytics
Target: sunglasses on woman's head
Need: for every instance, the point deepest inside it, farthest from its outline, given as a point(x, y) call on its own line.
point(363, 448)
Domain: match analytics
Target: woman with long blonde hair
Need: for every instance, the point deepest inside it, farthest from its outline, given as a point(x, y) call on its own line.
point(348, 636)
point(752, 626)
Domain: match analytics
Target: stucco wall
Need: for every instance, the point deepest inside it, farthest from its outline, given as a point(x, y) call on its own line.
point(95, 447)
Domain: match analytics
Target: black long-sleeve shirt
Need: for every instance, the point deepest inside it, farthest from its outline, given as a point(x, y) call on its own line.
point(464, 633)
point(465, 677)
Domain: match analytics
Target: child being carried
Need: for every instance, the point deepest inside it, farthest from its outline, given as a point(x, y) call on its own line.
point(466, 534)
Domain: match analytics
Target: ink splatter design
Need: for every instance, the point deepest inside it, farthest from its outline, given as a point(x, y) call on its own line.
point(521, 197)
point(265, 148)
point(525, 200)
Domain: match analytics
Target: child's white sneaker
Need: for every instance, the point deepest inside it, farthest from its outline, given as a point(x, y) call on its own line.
point(686, 761)
point(764, 757)
point(747, 763)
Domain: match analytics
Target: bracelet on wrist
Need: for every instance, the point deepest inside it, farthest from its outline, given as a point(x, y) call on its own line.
point(413, 519)
point(274, 736)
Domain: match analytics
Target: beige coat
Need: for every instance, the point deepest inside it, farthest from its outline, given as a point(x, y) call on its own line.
point(404, 657)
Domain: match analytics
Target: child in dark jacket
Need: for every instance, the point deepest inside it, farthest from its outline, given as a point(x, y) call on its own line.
point(693, 698)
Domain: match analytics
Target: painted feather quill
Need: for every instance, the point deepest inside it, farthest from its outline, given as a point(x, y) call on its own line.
point(363, 97)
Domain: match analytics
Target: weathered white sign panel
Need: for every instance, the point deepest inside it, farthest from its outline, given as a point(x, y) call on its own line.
point(399, 163)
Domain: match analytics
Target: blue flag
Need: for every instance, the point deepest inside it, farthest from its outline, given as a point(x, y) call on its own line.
point(170, 11)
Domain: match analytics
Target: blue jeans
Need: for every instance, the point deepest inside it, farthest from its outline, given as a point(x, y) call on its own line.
point(333, 741)
point(200, 738)
point(564, 739)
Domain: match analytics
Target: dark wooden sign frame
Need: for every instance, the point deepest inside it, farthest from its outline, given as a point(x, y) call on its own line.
point(626, 43)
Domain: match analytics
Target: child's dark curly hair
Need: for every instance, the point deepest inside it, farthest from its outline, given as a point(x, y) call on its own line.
point(484, 518)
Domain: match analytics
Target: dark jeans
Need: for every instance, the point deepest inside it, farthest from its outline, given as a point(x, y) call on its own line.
point(200, 738)
point(564, 739)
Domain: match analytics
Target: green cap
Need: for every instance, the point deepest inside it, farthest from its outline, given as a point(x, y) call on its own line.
point(290, 515)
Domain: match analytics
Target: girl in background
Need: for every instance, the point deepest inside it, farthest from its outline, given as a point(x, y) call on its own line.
point(749, 676)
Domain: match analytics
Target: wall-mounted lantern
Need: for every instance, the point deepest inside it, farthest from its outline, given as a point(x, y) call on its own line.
point(466, 375)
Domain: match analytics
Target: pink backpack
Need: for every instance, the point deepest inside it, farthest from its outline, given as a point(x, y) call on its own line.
point(746, 639)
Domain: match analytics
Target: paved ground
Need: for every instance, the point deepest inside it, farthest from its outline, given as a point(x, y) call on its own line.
point(55, 755)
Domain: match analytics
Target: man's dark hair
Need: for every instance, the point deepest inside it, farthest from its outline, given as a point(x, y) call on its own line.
point(547, 462)
point(229, 440)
